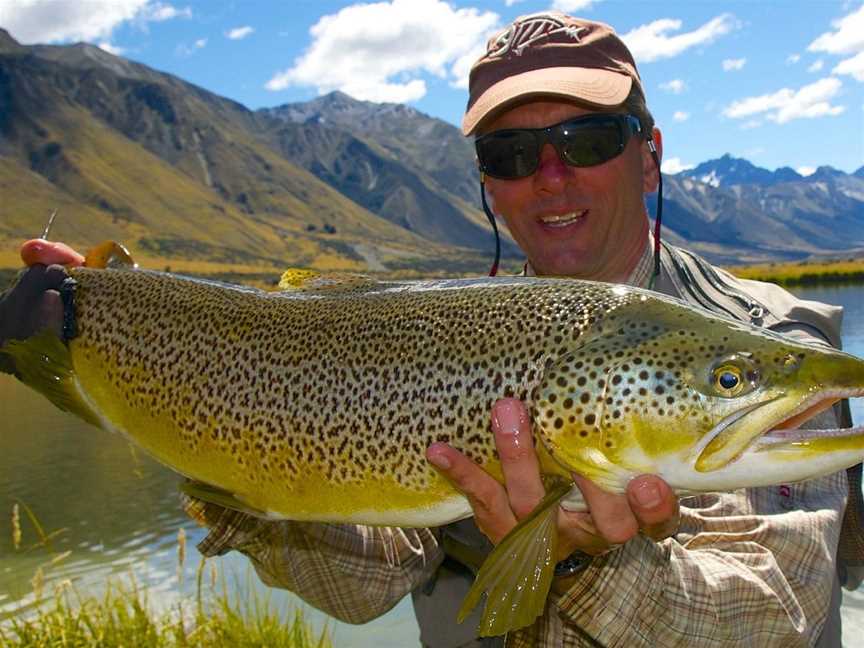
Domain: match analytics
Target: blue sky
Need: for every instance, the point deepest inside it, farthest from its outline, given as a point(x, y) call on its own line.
point(780, 83)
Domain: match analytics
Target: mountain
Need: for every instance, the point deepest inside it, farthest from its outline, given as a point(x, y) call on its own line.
point(184, 177)
point(415, 171)
point(733, 211)
point(728, 170)
point(200, 183)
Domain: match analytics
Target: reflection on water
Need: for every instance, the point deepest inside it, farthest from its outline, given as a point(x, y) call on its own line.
point(118, 510)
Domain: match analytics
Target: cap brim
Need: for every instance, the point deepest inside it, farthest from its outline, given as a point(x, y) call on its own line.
point(590, 85)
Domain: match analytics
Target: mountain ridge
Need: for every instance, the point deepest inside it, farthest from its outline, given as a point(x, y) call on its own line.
point(335, 183)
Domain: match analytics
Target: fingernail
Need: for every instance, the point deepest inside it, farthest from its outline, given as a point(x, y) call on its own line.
point(507, 417)
point(647, 494)
point(439, 461)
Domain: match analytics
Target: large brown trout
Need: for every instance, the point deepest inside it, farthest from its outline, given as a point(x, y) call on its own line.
point(317, 402)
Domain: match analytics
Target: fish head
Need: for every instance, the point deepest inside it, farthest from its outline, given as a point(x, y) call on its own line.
point(660, 387)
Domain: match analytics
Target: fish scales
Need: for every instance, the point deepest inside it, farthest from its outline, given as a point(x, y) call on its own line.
point(326, 401)
point(317, 403)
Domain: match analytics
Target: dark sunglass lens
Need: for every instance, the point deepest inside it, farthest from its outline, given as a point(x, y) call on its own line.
point(508, 154)
point(590, 144)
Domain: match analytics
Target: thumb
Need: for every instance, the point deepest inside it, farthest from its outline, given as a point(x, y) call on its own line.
point(48, 253)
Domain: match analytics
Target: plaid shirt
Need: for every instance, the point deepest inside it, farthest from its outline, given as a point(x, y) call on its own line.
point(753, 567)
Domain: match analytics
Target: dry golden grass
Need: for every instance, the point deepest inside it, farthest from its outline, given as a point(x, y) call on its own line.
point(805, 272)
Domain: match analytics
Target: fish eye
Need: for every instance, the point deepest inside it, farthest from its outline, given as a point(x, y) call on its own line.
point(728, 380)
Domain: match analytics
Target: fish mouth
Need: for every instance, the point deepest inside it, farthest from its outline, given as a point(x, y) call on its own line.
point(789, 431)
point(733, 436)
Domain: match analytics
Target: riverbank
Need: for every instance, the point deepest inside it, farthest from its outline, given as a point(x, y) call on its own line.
point(804, 273)
point(124, 616)
point(121, 612)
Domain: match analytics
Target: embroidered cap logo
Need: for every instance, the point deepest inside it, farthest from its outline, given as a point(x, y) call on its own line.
point(529, 31)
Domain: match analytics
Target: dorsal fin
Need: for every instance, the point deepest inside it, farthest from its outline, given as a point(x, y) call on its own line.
point(109, 254)
point(301, 279)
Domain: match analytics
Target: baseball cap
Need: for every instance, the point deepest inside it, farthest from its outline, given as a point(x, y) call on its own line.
point(545, 54)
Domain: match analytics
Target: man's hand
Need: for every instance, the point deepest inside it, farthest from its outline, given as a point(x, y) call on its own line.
point(34, 303)
point(649, 505)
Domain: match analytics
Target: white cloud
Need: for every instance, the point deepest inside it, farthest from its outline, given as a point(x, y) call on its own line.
point(111, 49)
point(733, 64)
point(750, 124)
point(377, 52)
point(816, 66)
point(806, 170)
point(158, 12)
point(651, 42)
point(853, 66)
point(681, 116)
point(510, 3)
point(675, 86)
point(792, 59)
point(52, 21)
point(848, 37)
point(185, 50)
point(674, 165)
point(813, 100)
point(569, 6)
point(239, 33)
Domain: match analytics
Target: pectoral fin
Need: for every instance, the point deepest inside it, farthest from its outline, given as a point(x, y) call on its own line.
point(517, 575)
point(223, 498)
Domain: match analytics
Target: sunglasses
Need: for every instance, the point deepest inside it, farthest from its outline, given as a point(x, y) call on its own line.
point(581, 142)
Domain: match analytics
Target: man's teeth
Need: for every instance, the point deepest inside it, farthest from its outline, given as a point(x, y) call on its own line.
point(560, 220)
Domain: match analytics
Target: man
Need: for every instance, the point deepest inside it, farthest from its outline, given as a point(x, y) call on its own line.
point(567, 150)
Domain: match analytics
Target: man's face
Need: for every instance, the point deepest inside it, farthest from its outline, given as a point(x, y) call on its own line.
point(585, 222)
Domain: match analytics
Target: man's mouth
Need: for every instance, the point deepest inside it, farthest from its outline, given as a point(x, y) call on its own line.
point(562, 220)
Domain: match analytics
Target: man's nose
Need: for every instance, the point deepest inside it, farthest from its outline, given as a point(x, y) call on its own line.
point(551, 174)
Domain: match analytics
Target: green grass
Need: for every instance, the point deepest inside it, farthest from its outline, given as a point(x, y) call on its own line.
point(124, 617)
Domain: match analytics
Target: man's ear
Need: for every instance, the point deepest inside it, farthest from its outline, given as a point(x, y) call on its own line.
point(650, 172)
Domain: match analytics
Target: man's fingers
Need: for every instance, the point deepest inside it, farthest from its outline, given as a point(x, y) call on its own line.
point(39, 278)
point(33, 303)
point(611, 513)
point(654, 506)
point(576, 530)
point(49, 252)
point(49, 313)
point(487, 497)
point(513, 440)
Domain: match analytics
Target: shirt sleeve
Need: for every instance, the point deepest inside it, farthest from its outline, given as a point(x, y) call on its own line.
point(352, 572)
point(753, 567)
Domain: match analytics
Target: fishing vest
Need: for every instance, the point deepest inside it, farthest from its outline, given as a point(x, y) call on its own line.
point(695, 281)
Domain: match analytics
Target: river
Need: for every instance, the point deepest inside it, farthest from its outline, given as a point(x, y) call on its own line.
point(116, 511)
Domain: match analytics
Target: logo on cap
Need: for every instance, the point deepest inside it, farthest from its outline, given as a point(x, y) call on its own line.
point(528, 31)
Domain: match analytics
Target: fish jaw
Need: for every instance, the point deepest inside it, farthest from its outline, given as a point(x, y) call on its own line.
point(814, 384)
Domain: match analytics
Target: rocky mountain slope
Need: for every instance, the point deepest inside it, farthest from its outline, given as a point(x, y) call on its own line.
point(199, 182)
point(179, 174)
